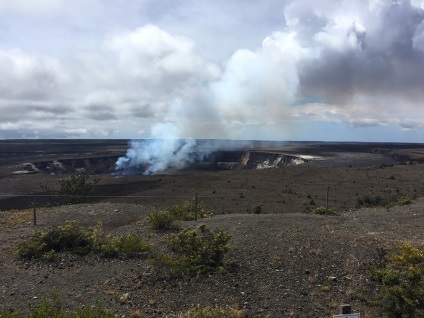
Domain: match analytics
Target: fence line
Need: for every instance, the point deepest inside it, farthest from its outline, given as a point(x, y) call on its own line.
point(113, 196)
point(195, 196)
point(34, 199)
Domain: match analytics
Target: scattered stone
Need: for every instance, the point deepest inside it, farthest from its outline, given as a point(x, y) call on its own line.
point(124, 298)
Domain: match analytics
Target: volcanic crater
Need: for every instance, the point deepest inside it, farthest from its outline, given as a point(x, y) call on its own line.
point(218, 160)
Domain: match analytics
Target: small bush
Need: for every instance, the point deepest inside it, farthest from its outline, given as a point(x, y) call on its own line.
point(403, 201)
point(131, 245)
point(401, 279)
point(69, 238)
point(288, 190)
point(187, 211)
point(162, 221)
point(370, 201)
point(73, 189)
point(213, 312)
point(196, 251)
point(322, 211)
point(52, 308)
point(7, 314)
point(376, 201)
point(258, 209)
point(74, 239)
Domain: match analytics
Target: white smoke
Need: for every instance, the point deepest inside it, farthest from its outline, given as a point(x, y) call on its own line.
point(150, 156)
point(155, 155)
point(355, 63)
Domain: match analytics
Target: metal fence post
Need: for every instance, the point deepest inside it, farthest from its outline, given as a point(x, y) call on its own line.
point(195, 208)
point(326, 202)
point(34, 206)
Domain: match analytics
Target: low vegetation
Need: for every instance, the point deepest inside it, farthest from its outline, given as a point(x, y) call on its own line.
point(162, 221)
point(377, 201)
point(187, 211)
point(321, 210)
point(258, 209)
point(74, 239)
point(52, 308)
point(192, 252)
point(73, 189)
point(400, 277)
point(14, 217)
point(195, 252)
point(213, 312)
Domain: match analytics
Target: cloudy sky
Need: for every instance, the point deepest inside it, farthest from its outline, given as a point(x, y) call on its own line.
point(327, 70)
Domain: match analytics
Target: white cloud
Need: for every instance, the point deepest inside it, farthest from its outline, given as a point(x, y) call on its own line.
point(359, 63)
point(159, 58)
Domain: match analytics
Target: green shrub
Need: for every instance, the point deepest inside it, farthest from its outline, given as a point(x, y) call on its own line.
point(7, 314)
point(376, 201)
point(131, 245)
point(288, 190)
point(162, 221)
point(73, 189)
point(258, 209)
point(69, 238)
point(322, 211)
point(187, 211)
point(401, 279)
point(386, 276)
point(213, 312)
point(370, 201)
point(403, 201)
point(196, 251)
point(74, 239)
point(52, 308)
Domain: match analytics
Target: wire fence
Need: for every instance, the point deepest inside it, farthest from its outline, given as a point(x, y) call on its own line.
point(35, 200)
point(225, 202)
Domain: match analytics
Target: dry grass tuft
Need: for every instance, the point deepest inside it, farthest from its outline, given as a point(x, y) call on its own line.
point(13, 217)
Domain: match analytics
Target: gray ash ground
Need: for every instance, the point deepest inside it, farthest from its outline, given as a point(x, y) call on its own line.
point(281, 265)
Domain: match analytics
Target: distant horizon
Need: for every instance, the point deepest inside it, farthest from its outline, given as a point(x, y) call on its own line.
point(211, 139)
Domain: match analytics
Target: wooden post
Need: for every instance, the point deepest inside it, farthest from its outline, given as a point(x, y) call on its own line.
point(345, 309)
point(326, 202)
point(34, 206)
point(195, 208)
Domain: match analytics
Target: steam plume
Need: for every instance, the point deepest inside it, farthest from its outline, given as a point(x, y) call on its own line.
point(151, 156)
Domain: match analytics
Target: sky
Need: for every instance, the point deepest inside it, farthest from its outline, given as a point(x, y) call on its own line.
point(316, 70)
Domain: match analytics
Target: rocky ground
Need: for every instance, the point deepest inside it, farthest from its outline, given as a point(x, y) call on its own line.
point(283, 265)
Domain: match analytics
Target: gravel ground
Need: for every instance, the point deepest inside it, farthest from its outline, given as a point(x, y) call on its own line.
point(283, 265)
